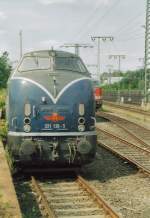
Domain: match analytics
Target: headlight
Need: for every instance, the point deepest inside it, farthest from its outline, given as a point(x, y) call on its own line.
point(27, 120)
point(81, 128)
point(81, 120)
point(27, 128)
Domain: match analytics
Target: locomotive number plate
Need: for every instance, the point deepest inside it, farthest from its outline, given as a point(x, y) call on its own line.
point(57, 126)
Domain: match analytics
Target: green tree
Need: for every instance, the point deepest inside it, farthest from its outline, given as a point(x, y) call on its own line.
point(5, 69)
point(132, 80)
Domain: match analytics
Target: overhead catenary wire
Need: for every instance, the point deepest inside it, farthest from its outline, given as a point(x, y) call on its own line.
point(131, 35)
point(132, 32)
point(128, 24)
point(131, 39)
point(89, 18)
point(129, 31)
point(100, 19)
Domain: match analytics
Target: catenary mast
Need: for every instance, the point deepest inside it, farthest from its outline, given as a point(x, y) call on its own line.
point(147, 51)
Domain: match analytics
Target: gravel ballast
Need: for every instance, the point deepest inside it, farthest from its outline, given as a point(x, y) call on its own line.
point(120, 183)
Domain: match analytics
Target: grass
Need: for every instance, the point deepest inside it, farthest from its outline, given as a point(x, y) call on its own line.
point(27, 200)
point(3, 130)
point(3, 125)
point(2, 98)
point(103, 109)
point(4, 207)
point(3, 138)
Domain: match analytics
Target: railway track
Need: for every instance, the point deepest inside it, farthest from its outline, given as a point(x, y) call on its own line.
point(71, 198)
point(125, 149)
point(127, 107)
point(137, 132)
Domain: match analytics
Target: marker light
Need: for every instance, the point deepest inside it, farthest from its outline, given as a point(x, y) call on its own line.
point(27, 128)
point(81, 128)
point(81, 109)
point(43, 99)
point(27, 109)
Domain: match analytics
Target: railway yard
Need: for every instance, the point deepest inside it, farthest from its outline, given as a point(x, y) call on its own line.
point(116, 184)
point(75, 109)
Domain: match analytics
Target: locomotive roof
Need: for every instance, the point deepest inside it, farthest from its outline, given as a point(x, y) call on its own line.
point(48, 53)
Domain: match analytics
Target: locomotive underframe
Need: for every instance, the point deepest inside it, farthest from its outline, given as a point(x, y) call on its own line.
point(76, 150)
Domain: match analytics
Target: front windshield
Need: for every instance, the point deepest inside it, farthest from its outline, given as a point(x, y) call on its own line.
point(52, 63)
point(35, 63)
point(69, 63)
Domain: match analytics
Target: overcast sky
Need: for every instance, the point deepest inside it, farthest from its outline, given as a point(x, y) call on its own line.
point(47, 23)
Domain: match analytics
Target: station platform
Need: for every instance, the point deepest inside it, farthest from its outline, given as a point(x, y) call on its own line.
point(8, 198)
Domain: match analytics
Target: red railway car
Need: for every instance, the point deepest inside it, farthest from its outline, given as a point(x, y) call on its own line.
point(98, 94)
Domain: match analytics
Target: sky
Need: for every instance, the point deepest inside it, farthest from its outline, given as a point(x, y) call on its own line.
point(47, 23)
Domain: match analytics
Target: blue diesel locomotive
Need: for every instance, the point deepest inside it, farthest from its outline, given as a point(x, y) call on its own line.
point(51, 110)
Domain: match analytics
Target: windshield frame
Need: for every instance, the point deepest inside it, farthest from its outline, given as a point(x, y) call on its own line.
point(73, 57)
point(54, 66)
point(32, 56)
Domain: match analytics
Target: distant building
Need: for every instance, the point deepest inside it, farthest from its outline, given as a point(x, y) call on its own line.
point(108, 79)
point(115, 79)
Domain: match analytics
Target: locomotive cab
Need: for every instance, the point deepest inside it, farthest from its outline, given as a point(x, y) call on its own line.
point(50, 110)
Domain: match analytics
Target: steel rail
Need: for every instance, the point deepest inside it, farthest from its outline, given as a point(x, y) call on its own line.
point(123, 140)
point(124, 154)
point(143, 112)
point(110, 117)
point(122, 118)
point(99, 201)
point(42, 199)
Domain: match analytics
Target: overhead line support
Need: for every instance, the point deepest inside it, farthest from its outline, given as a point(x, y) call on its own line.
point(76, 46)
point(147, 50)
point(104, 39)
